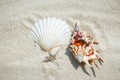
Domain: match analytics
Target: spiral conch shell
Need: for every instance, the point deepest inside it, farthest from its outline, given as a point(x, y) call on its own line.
point(51, 34)
point(81, 46)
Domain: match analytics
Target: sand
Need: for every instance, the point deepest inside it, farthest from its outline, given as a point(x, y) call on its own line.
point(21, 58)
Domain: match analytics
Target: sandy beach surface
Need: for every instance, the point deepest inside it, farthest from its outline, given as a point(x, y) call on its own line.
point(20, 59)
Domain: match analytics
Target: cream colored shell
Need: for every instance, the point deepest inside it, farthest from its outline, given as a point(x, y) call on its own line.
point(51, 33)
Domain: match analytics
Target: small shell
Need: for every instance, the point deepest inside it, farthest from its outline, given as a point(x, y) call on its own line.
point(50, 33)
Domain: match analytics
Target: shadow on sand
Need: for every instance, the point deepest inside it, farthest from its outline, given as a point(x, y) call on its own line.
point(76, 64)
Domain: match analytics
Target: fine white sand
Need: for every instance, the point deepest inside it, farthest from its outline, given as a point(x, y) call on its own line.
point(20, 59)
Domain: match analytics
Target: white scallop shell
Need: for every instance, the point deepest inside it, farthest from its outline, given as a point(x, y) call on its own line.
point(51, 33)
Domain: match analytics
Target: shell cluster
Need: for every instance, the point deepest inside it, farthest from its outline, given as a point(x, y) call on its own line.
point(53, 33)
point(81, 46)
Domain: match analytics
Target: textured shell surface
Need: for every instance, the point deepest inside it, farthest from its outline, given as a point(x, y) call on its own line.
point(50, 33)
point(79, 58)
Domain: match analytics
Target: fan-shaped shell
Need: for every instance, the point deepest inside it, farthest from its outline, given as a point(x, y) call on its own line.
point(50, 33)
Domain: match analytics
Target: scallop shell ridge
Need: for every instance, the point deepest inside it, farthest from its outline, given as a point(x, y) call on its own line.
point(50, 33)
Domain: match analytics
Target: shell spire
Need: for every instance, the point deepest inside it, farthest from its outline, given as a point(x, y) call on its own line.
point(77, 26)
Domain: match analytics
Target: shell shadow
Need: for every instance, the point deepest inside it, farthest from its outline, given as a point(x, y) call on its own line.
point(93, 71)
point(76, 64)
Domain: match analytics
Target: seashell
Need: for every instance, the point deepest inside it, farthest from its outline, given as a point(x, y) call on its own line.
point(51, 34)
point(81, 47)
